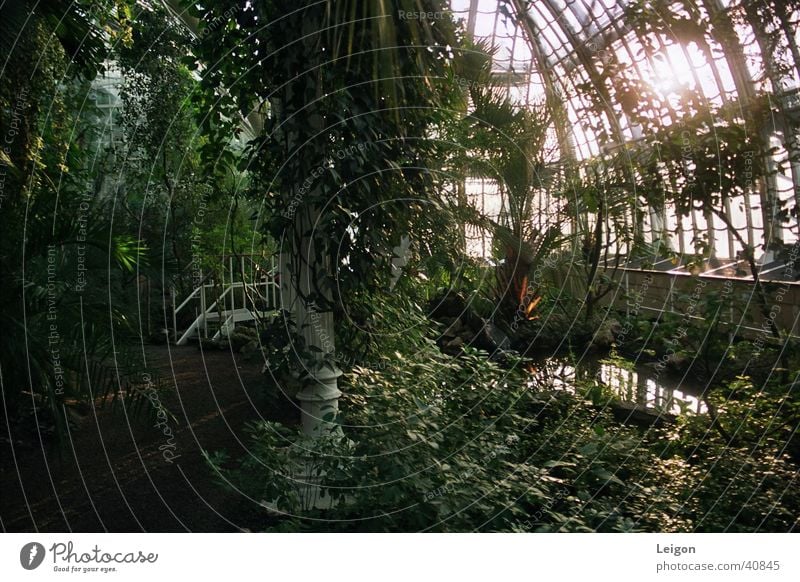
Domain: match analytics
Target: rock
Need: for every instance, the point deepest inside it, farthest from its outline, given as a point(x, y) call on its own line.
point(456, 343)
point(493, 338)
point(630, 413)
point(448, 305)
point(454, 328)
point(605, 335)
point(247, 331)
point(241, 336)
point(249, 347)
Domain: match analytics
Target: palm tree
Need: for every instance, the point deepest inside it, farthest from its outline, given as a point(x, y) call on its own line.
point(507, 143)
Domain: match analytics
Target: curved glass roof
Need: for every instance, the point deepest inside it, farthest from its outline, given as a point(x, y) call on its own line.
point(609, 61)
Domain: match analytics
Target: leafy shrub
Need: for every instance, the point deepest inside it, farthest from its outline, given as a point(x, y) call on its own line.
point(429, 442)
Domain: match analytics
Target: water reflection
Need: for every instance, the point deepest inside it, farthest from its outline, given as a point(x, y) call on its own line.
point(638, 385)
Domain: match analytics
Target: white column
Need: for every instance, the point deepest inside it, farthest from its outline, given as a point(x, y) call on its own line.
point(319, 402)
point(319, 396)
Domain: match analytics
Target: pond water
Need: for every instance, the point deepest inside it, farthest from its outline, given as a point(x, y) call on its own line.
point(641, 385)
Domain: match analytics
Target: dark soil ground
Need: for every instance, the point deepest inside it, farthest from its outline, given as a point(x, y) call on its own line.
point(112, 476)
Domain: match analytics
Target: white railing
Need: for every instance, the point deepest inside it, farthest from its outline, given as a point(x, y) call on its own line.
point(259, 296)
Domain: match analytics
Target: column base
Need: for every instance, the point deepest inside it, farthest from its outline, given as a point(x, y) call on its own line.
point(319, 402)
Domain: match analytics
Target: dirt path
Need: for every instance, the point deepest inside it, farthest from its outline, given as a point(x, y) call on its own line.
point(116, 474)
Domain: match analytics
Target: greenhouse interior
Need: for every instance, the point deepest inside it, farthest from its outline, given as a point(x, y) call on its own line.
point(400, 265)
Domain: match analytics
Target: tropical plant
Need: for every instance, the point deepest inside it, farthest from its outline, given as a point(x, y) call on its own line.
point(433, 443)
point(600, 196)
point(58, 244)
point(189, 213)
point(62, 256)
point(342, 169)
point(507, 143)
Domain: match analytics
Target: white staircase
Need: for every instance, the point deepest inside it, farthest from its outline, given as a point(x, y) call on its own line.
point(253, 296)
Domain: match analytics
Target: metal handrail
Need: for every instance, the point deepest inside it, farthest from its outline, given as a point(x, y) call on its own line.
point(267, 280)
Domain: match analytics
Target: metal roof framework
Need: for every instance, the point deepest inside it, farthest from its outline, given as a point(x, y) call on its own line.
point(563, 46)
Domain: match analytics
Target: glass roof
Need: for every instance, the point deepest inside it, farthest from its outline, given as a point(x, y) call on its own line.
point(603, 59)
